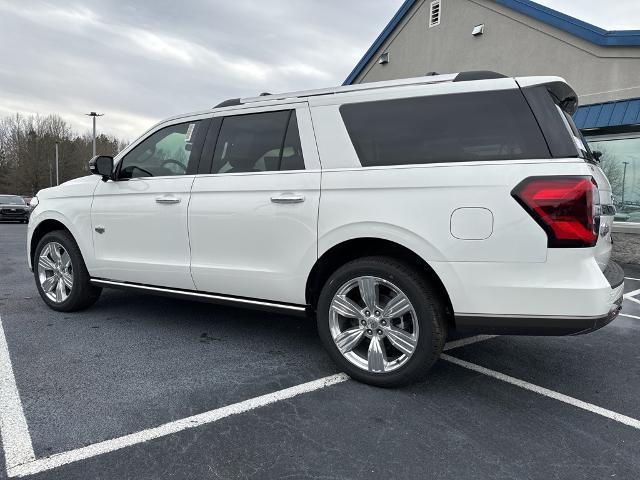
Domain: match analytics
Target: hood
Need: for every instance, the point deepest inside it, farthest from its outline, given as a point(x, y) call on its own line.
point(64, 189)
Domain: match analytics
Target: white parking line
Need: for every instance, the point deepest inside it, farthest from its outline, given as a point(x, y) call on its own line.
point(211, 416)
point(630, 316)
point(632, 422)
point(635, 279)
point(16, 441)
point(632, 299)
point(631, 294)
point(467, 341)
point(21, 460)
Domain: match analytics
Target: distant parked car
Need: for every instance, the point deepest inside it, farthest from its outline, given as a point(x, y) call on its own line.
point(13, 207)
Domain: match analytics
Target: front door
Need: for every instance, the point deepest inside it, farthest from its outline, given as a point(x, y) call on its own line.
point(140, 220)
point(253, 219)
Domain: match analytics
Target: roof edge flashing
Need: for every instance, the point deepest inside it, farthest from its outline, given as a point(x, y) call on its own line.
point(554, 18)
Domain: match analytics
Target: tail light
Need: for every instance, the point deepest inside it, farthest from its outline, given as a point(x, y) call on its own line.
point(567, 208)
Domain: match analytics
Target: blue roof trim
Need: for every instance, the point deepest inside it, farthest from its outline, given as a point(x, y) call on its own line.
point(574, 26)
point(609, 114)
point(584, 30)
point(397, 18)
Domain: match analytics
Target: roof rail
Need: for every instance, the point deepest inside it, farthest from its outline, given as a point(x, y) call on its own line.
point(353, 88)
point(477, 75)
point(430, 78)
point(229, 103)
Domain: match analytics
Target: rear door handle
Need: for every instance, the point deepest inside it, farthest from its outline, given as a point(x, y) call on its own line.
point(287, 198)
point(167, 199)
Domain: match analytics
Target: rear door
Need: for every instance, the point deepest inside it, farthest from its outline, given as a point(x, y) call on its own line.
point(254, 210)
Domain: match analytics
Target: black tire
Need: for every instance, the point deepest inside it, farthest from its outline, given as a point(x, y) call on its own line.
point(426, 301)
point(83, 294)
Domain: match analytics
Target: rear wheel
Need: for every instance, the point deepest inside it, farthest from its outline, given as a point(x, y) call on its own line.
point(61, 275)
point(381, 321)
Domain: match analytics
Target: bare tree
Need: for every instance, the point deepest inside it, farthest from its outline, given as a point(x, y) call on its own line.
point(27, 152)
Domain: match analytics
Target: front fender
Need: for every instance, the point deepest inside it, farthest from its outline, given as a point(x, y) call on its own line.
point(78, 224)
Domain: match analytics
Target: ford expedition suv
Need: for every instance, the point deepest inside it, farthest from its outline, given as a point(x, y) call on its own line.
point(393, 211)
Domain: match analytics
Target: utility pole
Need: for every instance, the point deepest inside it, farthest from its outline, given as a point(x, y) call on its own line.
point(624, 177)
point(57, 170)
point(94, 115)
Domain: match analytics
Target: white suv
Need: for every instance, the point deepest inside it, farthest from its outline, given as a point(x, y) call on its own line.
point(395, 211)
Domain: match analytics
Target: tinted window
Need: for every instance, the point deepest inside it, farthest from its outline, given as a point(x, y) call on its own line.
point(258, 142)
point(169, 151)
point(445, 128)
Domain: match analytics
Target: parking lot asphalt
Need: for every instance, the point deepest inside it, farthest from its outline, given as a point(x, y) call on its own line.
point(132, 363)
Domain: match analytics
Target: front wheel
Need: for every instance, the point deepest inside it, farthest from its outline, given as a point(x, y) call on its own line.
point(61, 275)
point(381, 321)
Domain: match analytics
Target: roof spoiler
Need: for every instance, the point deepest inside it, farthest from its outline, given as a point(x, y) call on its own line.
point(564, 95)
point(559, 89)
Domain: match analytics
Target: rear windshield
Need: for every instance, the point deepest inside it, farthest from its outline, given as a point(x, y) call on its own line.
point(464, 127)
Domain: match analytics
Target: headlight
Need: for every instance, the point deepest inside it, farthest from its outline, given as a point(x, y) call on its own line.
point(33, 203)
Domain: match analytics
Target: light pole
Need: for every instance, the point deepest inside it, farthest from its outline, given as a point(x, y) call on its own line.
point(624, 177)
point(57, 170)
point(94, 115)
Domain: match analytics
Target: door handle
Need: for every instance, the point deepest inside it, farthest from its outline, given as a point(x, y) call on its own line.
point(166, 200)
point(288, 198)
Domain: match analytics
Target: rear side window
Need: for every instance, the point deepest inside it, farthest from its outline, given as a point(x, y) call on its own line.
point(460, 127)
point(258, 142)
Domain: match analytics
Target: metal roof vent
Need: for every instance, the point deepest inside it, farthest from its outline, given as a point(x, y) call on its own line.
point(384, 58)
point(434, 13)
point(478, 30)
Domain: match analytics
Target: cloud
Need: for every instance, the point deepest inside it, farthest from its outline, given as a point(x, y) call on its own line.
point(139, 62)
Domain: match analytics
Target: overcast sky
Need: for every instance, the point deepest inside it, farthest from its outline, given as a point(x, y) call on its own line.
point(141, 61)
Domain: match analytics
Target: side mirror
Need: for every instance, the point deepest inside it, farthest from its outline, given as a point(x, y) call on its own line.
point(102, 165)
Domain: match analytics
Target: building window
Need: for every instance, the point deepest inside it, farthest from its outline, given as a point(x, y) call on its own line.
point(434, 13)
point(620, 161)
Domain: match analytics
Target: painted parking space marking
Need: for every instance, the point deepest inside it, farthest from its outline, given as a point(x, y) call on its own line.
point(60, 459)
point(633, 293)
point(21, 460)
point(467, 341)
point(629, 316)
point(16, 441)
point(22, 465)
point(632, 422)
point(634, 279)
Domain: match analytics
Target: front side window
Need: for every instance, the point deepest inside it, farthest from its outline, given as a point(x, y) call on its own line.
point(258, 142)
point(463, 127)
point(620, 161)
point(167, 152)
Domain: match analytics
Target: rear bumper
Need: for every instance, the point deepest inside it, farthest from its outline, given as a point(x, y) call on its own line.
point(587, 302)
point(542, 326)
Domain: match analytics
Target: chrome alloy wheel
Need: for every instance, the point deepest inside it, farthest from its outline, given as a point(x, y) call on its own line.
point(373, 324)
point(55, 272)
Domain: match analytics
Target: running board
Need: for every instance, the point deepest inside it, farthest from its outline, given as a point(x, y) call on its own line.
point(204, 297)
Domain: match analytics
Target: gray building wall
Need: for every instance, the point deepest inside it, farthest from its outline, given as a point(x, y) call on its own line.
point(512, 43)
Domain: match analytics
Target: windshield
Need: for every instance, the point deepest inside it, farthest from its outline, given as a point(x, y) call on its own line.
point(11, 200)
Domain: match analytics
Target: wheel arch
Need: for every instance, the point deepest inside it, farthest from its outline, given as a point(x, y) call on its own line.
point(44, 227)
point(352, 249)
